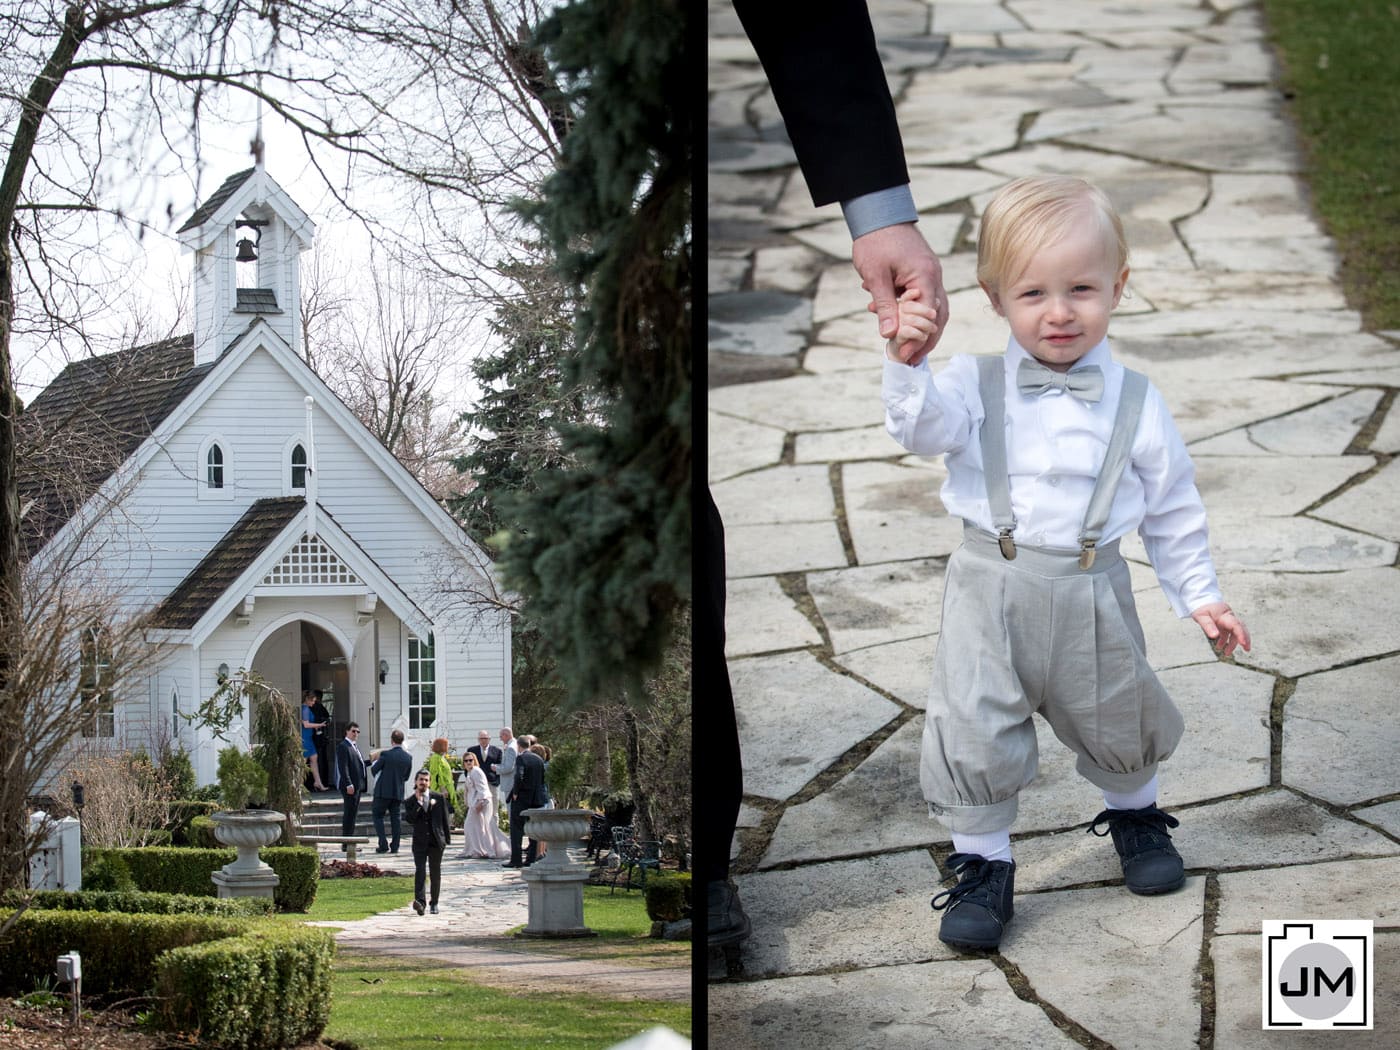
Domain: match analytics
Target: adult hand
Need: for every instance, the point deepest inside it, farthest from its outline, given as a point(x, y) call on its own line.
point(349, 789)
point(1224, 629)
point(890, 261)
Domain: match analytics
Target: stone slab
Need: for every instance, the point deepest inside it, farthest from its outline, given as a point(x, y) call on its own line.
point(1239, 543)
point(902, 669)
point(786, 267)
point(839, 822)
point(871, 605)
point(855, 913)
point(893, 511)
point(766, 550)
point(1307, 622)
point(835, 446)
point(1239, 999)
point(1221, 64)
point(776, 495)
point(1122, 966)
point(737, 446)
point(1372, 506)
point(1341, 731)
point(1351, 889)
point(796, 718)
point(1263, 291)
point(760, 618)
point(1269, 486)
point(765, 324)
point(1385, 816)
point(820, 359)
point(801, 403)
point(1218, 137)
point(1252, 208)
point(965, 1004)
point(1259, 831)
point(1387, 438)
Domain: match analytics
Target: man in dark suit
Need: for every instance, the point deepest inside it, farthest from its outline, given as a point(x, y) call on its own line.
point(352, 776)
point(529, 792)
point(488, 757)
point(391, 769)
point(830, 87)
point(426, 811)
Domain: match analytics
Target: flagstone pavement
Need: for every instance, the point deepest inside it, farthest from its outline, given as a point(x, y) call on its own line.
point(1286, 782)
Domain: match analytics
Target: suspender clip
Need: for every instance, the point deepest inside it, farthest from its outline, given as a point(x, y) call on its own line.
point(1086, 554)
point(1007, 544)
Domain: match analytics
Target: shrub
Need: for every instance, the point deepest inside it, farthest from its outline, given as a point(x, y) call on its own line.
point(268, 988)
point(125, 799)
point(178, 771)
point(201, 833)
point(134, 902)
point(668, 897)
point(180, 813)
point(175, 869)
point(241, 779)
point(104, 870)
point(118, 950)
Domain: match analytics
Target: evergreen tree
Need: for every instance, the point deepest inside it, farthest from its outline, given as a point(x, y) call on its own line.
point(600, 543)
point(514, 428)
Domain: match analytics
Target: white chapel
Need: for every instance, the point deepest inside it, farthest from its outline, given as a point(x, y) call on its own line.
point(261, 525)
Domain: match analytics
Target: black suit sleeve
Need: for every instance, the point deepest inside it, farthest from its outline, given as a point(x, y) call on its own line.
point(825, 71)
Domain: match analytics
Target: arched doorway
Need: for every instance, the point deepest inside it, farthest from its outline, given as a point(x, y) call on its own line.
point(300, 654)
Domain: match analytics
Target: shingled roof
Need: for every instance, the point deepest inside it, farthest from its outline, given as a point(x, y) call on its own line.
point(89, 421)
point(216, 201)
point(239, 548)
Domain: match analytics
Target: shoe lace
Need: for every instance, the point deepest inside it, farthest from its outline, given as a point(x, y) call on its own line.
point(975, 881)
point(1144, 829)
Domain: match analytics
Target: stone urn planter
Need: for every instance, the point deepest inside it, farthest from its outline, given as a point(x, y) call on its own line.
point(555, 882)
point(246, 830)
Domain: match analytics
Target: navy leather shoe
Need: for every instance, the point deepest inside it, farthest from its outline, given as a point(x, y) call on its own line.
point(1151, 864)
point(978, 908)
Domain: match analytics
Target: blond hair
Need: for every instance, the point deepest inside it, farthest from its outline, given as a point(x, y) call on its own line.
point(1038, 210)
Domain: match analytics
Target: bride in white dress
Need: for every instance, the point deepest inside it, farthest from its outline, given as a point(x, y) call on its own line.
point(482, 834)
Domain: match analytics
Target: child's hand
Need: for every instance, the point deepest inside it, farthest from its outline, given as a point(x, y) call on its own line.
point(917, 323)
point(1224, 629)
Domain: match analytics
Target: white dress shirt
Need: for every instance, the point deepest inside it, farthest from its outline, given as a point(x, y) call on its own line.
point(1054, 445)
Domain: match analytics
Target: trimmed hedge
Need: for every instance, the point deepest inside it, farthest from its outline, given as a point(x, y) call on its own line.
point(182, 813)
point(200, 833)
point(135, 902)
point(668, 896)
point(268, 988)
point(185, 869)
point(118, 950)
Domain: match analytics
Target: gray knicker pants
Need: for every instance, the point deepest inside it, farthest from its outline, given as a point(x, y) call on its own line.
point(1037, 635)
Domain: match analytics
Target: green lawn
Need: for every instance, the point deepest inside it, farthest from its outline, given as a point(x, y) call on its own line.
point(1340, 68)
point(405, 1004)
point(344, 900)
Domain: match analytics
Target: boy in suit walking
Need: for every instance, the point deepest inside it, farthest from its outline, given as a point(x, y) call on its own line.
point(391, 770)
point(426, 811)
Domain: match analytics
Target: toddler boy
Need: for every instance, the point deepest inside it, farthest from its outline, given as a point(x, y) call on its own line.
point(1054, 451)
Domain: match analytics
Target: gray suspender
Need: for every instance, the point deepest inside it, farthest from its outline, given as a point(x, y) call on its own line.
point(991, 373)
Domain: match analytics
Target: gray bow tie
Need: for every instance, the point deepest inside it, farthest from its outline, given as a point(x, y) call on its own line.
point(1033, 378)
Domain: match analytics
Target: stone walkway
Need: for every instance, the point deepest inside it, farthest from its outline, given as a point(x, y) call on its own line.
point(1286, 783)
point(479, 902)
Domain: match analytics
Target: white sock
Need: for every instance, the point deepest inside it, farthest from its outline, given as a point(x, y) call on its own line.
point(993, 846)
point(1139, 799)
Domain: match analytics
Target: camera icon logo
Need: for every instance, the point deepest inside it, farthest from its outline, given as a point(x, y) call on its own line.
point(1318, 974)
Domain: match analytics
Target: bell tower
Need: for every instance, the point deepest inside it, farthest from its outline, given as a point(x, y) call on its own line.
point(247, 240)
